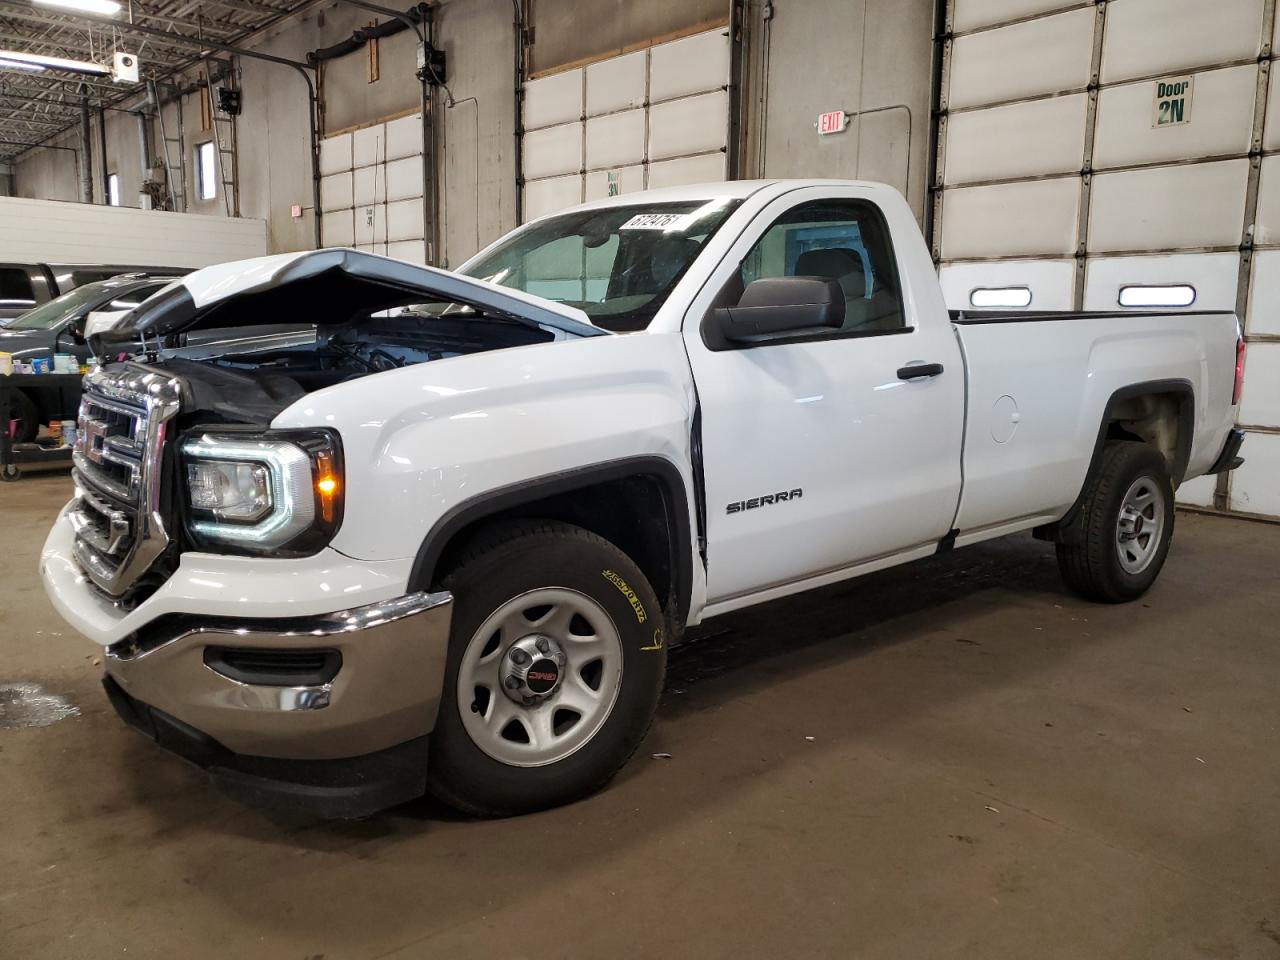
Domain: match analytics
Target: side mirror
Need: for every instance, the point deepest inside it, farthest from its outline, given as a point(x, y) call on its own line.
point(778, 306)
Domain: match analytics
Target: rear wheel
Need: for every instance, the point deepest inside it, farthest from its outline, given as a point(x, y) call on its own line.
point(556, 660)
point(1121, 536)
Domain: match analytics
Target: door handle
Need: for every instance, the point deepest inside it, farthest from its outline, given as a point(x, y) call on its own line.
point(919, 371)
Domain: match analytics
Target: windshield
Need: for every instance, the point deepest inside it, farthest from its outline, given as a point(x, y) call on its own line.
point(616, 264)
point(53, 314)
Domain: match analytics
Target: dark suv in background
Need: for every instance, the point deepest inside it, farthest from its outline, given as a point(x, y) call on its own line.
point(27, 285)
point(58, 327)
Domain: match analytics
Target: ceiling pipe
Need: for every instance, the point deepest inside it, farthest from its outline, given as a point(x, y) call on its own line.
point(86, 179)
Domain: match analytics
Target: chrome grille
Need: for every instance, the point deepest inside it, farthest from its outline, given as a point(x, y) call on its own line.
point(120, 531)
point(109, 444)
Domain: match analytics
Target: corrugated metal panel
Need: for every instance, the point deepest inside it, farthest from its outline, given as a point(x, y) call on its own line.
point(1253, 487)
point(371, 225)
point(369, 145)
point(1022, 219)
point(1149, 37)
point(1020, 140)
point(1271, 137)
point(689, 125)
point(552, 100)
point(615, 140)
point(553, 151)
point(617, 83)
point(1222, 113)
point(688, 119)
point(414, 251)
point(1023, 60)
point(404, 220)
point(335, 191)
point(1050, 281)
point(1264, 299)
point(625, 179)
point(404, 179)
point(1267, 228)
point(971, 14)
point(674, 173)
point(1260, 399)
point(547, 196)
point(404, 137)
point(368, 185)
point(1213, 275)
point(1199, 205)
point(335, 154)
point(688, 66)
point(339, 229)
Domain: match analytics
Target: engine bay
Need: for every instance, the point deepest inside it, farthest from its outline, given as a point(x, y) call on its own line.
point(249, 379)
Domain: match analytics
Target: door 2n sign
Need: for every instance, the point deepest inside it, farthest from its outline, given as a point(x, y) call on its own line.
point(1172, 101)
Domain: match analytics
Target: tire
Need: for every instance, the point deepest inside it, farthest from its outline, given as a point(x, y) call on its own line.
point(23, 409)
point(534, 579)
point(1111, 554)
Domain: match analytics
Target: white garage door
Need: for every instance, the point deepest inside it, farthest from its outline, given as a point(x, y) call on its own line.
point(1126, 146)
point(371, 189)
point(657, 117)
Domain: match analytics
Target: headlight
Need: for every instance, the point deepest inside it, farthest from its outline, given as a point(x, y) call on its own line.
point(277, 493)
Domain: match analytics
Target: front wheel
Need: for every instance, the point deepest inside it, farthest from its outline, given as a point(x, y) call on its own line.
point(1122, 534)
point(557, 655)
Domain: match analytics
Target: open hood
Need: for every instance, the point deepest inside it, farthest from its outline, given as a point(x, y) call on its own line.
point(327, 288)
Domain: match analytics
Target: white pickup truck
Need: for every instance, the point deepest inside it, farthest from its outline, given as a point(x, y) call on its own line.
point(440, 540)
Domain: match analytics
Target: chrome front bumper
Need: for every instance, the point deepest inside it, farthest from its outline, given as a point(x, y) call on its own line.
point(386, 691)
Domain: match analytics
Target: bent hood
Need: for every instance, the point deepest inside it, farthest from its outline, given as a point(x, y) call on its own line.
point(327, 288)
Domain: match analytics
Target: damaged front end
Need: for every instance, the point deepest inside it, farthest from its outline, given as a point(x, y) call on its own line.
point(175, 450)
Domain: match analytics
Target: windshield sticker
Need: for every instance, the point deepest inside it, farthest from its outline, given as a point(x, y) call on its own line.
point(658, 221)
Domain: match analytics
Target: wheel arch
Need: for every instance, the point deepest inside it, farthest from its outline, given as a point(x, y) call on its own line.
point(1160, 412)
point(651, 526)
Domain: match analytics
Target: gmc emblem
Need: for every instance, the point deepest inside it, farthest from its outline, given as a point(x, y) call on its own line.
point(94, 434)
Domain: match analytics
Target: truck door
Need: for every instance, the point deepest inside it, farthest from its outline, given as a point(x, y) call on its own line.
point(822, 450)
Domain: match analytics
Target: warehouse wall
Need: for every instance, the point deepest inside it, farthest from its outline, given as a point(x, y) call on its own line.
point(48, 174)
point(573, 31)
point(870, 58)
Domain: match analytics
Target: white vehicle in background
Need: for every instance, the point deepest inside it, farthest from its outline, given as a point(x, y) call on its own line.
point(443, 543)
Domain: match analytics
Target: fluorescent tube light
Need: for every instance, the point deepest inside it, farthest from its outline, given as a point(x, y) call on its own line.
point(107, 8)
point(16, 65)
point(54, 63)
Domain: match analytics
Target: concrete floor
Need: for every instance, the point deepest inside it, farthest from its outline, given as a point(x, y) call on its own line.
point(954, 759)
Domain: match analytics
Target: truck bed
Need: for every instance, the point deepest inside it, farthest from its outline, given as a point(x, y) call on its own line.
point(1039, 384)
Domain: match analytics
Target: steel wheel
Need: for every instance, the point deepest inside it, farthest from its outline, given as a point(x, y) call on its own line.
point(1139, 525)
point(540, 677)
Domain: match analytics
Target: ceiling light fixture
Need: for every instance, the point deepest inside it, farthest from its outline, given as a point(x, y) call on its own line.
point(23, 60)
point(16, 65)
point(108, 8)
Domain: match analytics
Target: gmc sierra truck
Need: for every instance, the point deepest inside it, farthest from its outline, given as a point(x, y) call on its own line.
point(442, 542)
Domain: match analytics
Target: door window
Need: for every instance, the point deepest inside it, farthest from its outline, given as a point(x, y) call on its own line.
point(842, 240)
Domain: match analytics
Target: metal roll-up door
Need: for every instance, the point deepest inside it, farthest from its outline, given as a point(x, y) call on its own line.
point(655, 117)
point(1086, 148)
point(371, 183)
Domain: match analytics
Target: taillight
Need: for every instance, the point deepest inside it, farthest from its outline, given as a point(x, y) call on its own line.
point(1235, 393)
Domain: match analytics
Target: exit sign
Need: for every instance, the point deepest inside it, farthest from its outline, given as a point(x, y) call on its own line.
point(831, 122)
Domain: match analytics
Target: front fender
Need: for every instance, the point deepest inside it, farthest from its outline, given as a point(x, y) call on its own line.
point(421, 440)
